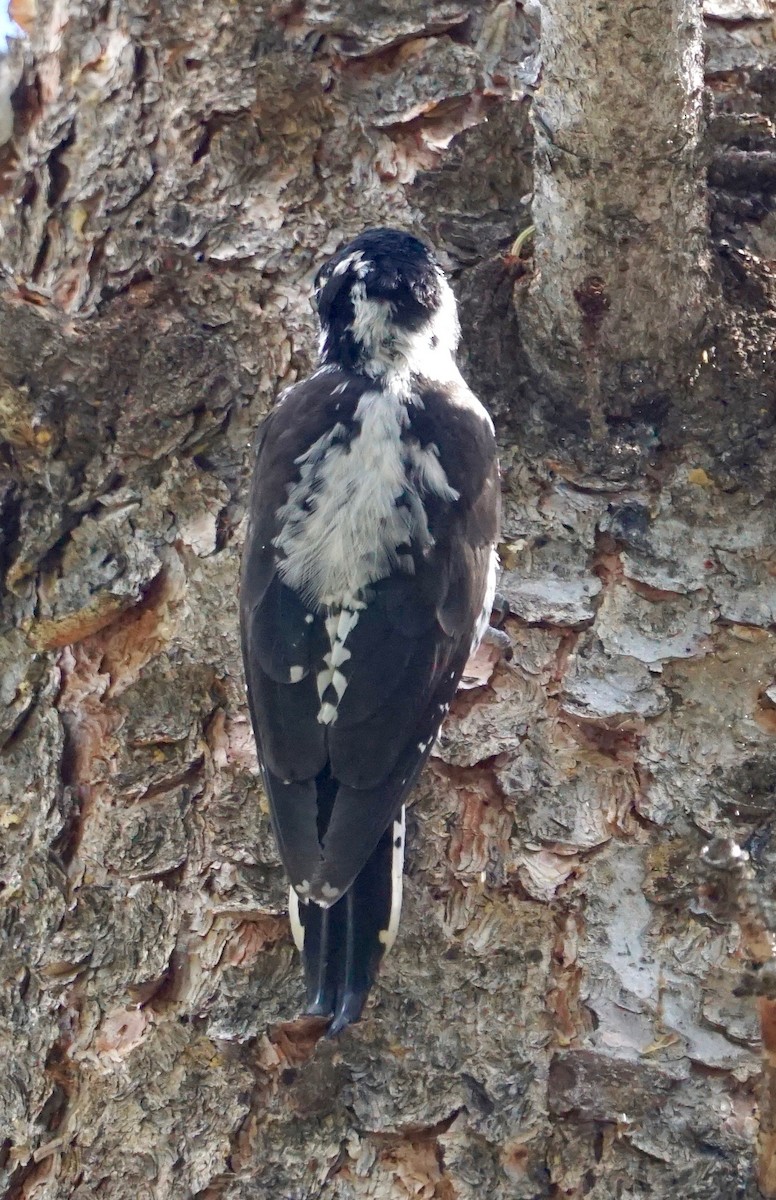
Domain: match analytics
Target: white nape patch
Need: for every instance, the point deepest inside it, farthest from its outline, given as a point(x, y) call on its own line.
point(487, 604)
point(295, 674)
point(388, 936)
point(297, 928)
point(341, 527)
point(373, 326)
point(393, 353)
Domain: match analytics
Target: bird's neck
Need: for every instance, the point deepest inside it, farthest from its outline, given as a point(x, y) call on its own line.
point(372, 340)
point(391, 356)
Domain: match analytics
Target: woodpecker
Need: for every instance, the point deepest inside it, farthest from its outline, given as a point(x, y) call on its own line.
point(368, 577)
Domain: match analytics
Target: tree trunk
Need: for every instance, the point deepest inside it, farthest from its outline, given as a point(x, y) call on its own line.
point(618, 307)
point(570, 1008)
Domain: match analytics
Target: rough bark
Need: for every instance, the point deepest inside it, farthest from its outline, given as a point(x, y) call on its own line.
point(569, 1010)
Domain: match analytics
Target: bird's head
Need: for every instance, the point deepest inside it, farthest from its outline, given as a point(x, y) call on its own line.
point(386, 308)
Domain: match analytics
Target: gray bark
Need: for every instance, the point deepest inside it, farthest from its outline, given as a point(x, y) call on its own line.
point(570, 1010)
point(622, 285)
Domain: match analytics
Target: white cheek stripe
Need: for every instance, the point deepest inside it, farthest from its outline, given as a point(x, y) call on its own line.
point(388, 936)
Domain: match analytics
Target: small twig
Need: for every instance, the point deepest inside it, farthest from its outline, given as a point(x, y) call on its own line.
point(521, 240)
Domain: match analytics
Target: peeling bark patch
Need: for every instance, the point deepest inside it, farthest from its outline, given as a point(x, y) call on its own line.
point(652, 632)
point(601, 686)
point(549, 582)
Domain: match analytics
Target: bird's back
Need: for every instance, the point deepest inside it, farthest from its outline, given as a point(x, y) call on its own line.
point(367, 568)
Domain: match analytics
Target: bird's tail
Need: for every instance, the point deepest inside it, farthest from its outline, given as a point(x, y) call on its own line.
point(342, 946)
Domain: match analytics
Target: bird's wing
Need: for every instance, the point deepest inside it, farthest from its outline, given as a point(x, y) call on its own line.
point(279, 631)
point(334, 788)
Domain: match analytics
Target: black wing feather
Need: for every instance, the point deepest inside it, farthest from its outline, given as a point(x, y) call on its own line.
point(281, 636)
point(292, 742)
point(408, 649)
point(363, 754)
point(361, 814)
point(387, 638)
point(294, 810)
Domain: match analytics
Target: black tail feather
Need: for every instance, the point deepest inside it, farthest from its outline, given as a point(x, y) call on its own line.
point(342, 946)
point(315, 953)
